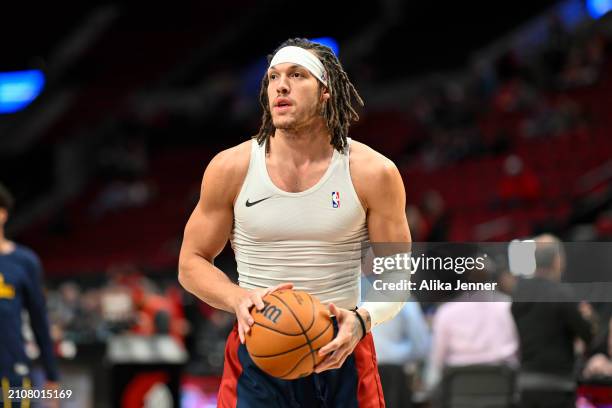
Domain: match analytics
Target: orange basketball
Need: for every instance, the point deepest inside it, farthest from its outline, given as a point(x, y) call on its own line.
point(287, 334)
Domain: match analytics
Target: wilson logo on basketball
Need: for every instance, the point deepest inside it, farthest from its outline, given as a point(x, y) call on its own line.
point(271, 312)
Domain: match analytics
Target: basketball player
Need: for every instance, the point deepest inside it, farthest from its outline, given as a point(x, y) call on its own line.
point(20, 288)
point(296, 202)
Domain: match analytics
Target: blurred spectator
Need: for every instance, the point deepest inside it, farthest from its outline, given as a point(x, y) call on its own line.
point(483, 80)
point(514, 96)
point(415, 222)
point(547, 330)
point(128, 302)
point(473, 328)
point(21, 291)
point(117, 306)
point(403, 340)
point(583, 63)
point(553, 53)
point(600, 363)
point(119, 195)
point(159, 314)
point(520, 184)
point(547, 119)
point(64, 304)
point(124, 156)
point(436, 217)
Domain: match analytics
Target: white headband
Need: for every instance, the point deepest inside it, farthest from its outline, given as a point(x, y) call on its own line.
point(300, 56)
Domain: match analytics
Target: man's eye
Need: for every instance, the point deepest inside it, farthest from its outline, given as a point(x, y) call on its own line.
point(297, 74)
point(272, 76)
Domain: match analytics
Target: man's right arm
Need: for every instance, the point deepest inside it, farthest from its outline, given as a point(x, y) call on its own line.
point(208, 230)
point(206, 234)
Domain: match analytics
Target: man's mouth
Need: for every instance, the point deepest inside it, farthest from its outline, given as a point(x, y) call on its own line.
point(282, 108)
point(282, 104)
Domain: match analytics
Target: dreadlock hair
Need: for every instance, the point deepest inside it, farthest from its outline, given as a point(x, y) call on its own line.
point(6, 199)
point(338, 111)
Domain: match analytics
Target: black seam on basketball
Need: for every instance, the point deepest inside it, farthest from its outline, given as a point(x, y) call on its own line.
point(289, 334)
point(276, 330)
point(296, 365)
point(313, 312)
point(295, 348)
point(314, 361)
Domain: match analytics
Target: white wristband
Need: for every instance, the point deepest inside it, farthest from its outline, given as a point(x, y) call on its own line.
point(380, 312)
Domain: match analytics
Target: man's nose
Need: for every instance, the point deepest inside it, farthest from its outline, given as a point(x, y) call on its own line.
point(283, 85)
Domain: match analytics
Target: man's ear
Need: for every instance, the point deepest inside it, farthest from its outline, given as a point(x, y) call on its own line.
point(3, 216)
point(325, 94)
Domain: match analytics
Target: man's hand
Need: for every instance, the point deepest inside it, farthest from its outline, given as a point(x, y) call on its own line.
point(349, 334)
point(599, 364)
point(243, 303)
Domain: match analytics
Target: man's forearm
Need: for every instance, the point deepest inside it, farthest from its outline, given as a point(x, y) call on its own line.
point(380, 312)
point(208, 283)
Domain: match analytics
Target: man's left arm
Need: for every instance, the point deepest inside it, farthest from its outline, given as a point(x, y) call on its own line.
point(385, 200)
point(35, 304)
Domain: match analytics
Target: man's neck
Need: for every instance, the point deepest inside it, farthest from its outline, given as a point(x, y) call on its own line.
point(302, 146)
point(6, 246)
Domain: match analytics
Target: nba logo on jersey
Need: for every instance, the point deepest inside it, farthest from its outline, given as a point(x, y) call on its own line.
point(335, 199)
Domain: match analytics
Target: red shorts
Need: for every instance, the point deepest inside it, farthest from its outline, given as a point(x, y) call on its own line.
point(355, 384)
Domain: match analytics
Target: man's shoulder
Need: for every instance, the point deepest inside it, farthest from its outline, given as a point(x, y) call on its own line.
point(230, 164)
point(369, 163)
point(27, 256)
point(235, 158)
point(373, 175)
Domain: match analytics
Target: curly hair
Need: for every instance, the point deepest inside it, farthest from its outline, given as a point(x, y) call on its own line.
point(6, 198)
point(338, 112)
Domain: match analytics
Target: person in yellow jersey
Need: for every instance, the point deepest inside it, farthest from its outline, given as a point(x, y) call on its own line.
point(21, 288)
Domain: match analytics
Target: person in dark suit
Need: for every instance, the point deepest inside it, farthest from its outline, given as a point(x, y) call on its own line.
point(549, 320)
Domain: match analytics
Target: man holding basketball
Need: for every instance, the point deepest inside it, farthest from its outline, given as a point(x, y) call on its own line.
point(297, 202)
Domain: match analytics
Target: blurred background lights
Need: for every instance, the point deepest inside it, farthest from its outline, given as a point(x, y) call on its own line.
point(19, 88)
point(330, 42)
point(598, 8)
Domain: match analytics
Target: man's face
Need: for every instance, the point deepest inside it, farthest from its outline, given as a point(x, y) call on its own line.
point(294, 96)
point(3, 217)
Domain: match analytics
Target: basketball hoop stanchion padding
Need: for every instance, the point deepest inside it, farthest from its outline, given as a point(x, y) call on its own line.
point(145, 369)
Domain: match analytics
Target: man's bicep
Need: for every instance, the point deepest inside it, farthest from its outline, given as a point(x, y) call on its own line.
point(207, 231)
point(210, 224)
point(386, 209)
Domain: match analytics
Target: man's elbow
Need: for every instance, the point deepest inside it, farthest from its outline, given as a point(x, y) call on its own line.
point(184, 273)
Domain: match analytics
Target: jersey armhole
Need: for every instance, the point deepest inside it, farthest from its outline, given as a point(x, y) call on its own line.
point(245, 182)
point(350, 176)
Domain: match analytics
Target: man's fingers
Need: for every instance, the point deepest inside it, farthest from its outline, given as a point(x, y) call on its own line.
point(334, 310)
point(326, 364)
point(283, 286)
point(332, 346)
point(332, 361)
point(280, 286)
point(246, 318)
point(240, 333)
point(257, 301)
point(243, 313)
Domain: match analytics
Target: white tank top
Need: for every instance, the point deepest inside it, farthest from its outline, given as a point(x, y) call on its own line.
point(312, 238)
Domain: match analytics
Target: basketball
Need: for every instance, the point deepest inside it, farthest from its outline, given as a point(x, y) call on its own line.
point(287, 334)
